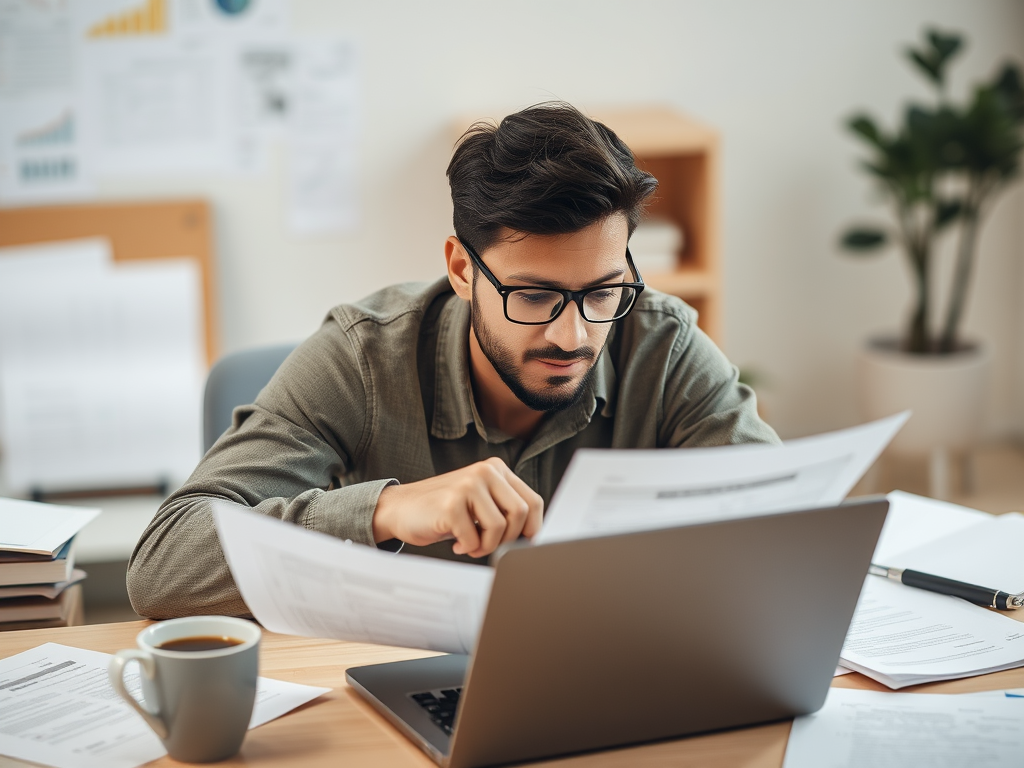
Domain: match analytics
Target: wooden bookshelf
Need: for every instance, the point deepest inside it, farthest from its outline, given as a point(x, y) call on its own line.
point(682, 154)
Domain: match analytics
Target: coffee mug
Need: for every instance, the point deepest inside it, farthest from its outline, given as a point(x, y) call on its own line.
point(198, 683)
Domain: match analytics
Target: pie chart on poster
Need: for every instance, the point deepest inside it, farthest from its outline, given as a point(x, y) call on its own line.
point(232, 7)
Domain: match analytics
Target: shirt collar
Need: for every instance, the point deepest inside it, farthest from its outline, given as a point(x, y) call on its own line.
point(455, 410)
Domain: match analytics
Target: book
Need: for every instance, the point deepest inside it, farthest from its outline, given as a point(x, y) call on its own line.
point(41, 590)
point(35, 608)
point(22, 568)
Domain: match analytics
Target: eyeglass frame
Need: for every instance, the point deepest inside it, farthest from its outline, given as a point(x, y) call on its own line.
point(576, 297)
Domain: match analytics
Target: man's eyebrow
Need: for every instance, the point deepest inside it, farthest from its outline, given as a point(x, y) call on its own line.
point(544, 283)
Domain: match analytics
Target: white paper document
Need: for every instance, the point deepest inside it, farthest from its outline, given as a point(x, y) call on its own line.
point(902, 636)
point(607, 492)
point(101, 376)
point(322, 136)
point(57, 708)
point(988, 554)
point(909, 730)
point(302, 582)
point(40, 529)
point(81, 255)
point(914, 521)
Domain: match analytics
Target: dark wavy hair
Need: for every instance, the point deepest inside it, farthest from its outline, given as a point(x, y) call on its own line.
point(547, 170)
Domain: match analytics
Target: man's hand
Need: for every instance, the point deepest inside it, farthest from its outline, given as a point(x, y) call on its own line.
point(480, 506)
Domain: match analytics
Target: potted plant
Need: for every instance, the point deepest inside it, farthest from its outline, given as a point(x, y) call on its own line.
point(941, 171)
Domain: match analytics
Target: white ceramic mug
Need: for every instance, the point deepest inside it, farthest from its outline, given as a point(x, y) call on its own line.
point(198, 702)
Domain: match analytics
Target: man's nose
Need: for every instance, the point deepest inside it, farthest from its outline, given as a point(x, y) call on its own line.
point(569, 330)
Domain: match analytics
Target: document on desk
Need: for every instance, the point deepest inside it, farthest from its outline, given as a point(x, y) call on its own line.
point(607, 492)
point(914, 521)
point(989, 553)
point(901, 636)
point(301, 582)
point(909, 730)
point(57, 708)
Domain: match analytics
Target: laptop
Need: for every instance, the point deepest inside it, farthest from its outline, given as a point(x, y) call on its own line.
point(622, 639)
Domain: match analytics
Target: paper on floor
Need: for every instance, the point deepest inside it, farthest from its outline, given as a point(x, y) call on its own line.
point(302, 582)
point(605, 492)
point(901, 636)
point(57, 708)
point(909, 730)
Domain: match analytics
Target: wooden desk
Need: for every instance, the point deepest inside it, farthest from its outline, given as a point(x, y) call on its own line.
point(340, 729)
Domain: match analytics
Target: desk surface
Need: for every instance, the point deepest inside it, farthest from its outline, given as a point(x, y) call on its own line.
point(340, 729)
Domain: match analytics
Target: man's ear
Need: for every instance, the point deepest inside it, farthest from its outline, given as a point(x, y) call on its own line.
point(460, 268)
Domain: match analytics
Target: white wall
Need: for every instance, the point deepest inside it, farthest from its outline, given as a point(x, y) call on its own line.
point(777, 78)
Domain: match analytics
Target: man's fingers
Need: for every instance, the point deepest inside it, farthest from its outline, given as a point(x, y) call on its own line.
point(502, 487)
point(467, 537)
point(489, 521)
point(534, 505)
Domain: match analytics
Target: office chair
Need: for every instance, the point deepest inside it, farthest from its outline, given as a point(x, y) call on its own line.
point(235, 380)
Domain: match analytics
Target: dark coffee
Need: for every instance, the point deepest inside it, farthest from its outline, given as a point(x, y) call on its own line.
point(202, 643)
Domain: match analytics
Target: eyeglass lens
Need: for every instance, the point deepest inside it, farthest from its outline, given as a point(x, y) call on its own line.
point(534, 305)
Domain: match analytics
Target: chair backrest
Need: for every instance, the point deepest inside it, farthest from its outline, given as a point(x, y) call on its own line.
point(235, 380)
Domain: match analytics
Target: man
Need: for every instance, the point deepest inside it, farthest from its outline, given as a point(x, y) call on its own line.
point(442, 417)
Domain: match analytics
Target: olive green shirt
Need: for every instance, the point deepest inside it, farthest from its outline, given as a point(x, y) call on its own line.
point(382, 394)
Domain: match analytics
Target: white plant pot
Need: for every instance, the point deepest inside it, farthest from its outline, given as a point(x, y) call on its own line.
point(946, 394)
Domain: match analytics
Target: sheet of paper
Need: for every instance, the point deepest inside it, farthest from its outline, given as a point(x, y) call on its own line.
point(605, 492)
point(44, 155)
point(901, 636)
point(101, 377)
point(909, 730)
point(916, 520)
point(41, 529)
point(301, 582)
point(37, 41)
point(322, 135)
point(158, 104)
point(58, 708)
point(87, 254)
point(989, 554)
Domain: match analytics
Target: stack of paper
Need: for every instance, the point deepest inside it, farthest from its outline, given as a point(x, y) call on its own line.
point(910, 730)
point(655, 246)
point(37, 561)
point(904, 636)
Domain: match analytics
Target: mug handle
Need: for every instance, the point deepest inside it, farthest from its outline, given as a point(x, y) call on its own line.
point(116, 672)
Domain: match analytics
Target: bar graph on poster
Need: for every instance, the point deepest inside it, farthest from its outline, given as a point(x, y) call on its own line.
point(150, 18)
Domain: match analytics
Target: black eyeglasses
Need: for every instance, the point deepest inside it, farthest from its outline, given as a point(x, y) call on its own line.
point(533, 305)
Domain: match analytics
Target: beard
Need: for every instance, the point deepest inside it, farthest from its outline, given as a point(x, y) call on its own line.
point(558, 392)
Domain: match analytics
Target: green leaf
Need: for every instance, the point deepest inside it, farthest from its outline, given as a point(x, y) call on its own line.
point(944, 45)
point(865, 127)
point(926, 64)
point(863, 239)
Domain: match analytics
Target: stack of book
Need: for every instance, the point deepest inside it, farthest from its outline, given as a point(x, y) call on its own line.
point(38, 578)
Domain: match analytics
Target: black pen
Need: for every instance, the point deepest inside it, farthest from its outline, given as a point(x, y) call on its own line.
point(990, 598)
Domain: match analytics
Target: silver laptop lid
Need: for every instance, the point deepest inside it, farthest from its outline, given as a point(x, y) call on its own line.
point(609, 641)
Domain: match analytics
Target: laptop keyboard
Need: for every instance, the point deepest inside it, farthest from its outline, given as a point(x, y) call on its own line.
point(440, 705)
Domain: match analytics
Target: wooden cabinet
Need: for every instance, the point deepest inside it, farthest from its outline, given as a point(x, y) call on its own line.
point(683, 155)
